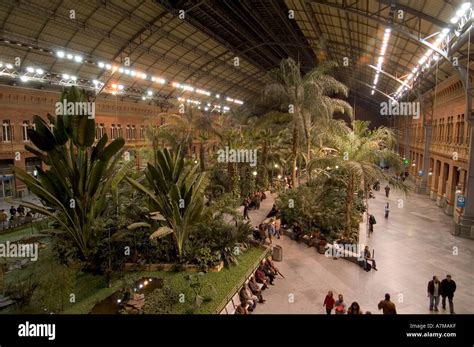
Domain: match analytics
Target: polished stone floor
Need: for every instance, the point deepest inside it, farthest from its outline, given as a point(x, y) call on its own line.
point(411, 246)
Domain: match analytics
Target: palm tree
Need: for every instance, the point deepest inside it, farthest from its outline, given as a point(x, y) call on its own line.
point(306, 98)
point(74, 188)
point(319, 104)
point(158, 136)
point(177, 194)
point(188, 127)
point(357, 153)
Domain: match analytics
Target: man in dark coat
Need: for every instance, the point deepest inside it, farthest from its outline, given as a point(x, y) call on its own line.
point(434, 292)
point(448, 287)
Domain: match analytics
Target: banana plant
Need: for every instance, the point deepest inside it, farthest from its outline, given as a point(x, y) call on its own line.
point(74, 187)
point(177, 195)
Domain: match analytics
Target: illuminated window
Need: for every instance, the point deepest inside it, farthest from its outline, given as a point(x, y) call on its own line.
point(113, 132)
point(7, 131)
point(24, 130)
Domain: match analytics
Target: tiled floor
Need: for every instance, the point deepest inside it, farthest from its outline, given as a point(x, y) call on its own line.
point(411, 246)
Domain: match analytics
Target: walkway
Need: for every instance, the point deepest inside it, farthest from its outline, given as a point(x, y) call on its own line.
point(411, 246)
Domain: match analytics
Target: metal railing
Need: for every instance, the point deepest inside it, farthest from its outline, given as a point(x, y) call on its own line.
point(12, 225)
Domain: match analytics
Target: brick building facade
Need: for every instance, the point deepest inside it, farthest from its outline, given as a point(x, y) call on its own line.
point(443, 116)
point(18, 105)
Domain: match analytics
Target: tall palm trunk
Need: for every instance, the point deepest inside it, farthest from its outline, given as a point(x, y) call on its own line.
point(202, 156)
point(294, 153)
point(349, 204)
point(233, 178)
point(263, 174)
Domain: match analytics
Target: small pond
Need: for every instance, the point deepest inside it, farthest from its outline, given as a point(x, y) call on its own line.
point(114, 303)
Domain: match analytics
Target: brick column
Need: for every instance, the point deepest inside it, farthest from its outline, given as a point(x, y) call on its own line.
point(426, 158)
point(441, 185)
point(434, 179)
point(449, 207)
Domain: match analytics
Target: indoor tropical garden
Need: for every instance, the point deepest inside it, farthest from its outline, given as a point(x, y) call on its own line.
point(174, 234)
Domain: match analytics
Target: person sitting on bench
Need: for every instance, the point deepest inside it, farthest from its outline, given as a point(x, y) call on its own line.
point(256, 289)
point(367, 258)
point(268, 270)
point(261, 277)
point(273, 212)
point(242, 308)
point(314, 238)
point(298, 232)
point(269, 262)
point(246, 295)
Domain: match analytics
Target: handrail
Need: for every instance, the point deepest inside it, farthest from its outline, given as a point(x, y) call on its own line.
point(239, 284)
point(20, 223)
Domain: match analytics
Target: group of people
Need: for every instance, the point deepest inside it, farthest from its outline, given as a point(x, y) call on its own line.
point(251, 292)
point(340, 307)
point(253, 202)
point(436, 289)
point(372, 220)
point(266, 231)
point(16, 214)
point(444, 289)
point(402, 176)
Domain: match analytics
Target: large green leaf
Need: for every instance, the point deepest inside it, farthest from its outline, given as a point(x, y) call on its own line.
point(59, 131)
point(113, 148)
point(42, 143)
point(161, 232)
point(137, 225)
point(86, 132)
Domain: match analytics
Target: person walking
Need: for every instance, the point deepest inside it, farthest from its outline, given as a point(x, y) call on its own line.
point(387, 306)
point(434, 291)
point(387, 210)
point(329, 302)
point(448, 287)
point(246, 210)
point(340, 305)
point(257, 200)
point(372, 221)
point(387, 190)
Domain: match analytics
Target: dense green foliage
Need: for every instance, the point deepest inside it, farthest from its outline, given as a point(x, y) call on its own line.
point(73, 190)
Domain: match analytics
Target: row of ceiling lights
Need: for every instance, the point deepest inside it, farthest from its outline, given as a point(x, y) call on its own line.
point(142, 75)
point(208, 106)
point(430, 55)
point(66, 79)
point(386, 37)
